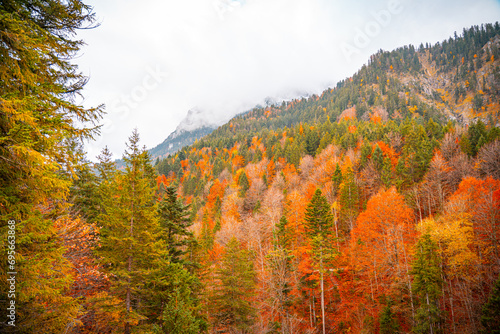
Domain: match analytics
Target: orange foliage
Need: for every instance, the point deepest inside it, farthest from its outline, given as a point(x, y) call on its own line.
point(375, 118)
point(270, 171)
point(238, 161)
point(388, 152)
point(289, 169)
point(185, 164)
point(380, 248)
point(480, 199)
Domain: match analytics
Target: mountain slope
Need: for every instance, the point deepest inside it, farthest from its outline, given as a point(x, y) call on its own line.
point(195, 125)
point(403, 152)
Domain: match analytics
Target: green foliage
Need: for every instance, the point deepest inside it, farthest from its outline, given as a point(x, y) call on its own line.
point(378, 157)
point(337, 178)
point(490, 319)
point(230, 304)
point(427, 282)
point(387, 173)
point(243, 183)
point(175, 221)
point(319, 220)
point(39, 125)
point(349, 200)
point(132, 249)
point(312, 142)
point(84, 192)
point(477, 135)
point(174, 291)
point(388, 321)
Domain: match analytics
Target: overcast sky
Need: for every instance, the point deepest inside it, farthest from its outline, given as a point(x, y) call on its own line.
point(150, 61)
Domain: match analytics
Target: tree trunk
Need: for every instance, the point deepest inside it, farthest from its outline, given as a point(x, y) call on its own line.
point(322, 300)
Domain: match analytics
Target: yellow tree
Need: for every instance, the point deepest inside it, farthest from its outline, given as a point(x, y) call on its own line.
point(38, 122)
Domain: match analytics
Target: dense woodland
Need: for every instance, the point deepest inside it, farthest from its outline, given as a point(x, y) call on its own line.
point(371, 208)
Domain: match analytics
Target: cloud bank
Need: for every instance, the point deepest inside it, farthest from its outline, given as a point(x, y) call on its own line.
point(152, 61)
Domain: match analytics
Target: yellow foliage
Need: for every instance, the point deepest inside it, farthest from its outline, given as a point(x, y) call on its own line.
point(454, 236)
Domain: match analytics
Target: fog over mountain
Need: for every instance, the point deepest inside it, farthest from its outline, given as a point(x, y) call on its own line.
point(152, 63)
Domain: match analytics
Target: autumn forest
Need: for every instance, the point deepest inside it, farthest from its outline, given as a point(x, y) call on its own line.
point(373, 207)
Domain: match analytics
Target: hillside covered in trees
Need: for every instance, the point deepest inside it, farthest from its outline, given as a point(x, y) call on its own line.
point(371, 208)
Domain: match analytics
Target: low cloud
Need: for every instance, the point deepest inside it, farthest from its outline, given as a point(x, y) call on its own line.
point(152, 61)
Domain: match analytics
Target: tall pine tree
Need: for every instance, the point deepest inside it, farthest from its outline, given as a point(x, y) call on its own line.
point(427, 282)
point(175, 222)
point(39, 122)
point(132, 250)
point(231, 303)
point(319, 225)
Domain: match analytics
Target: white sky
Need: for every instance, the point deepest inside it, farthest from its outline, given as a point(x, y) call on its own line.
point(150, 61)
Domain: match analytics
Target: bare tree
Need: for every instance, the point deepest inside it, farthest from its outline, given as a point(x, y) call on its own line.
point(489, 160)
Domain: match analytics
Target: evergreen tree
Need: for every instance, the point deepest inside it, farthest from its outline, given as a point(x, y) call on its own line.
point(378, 157)
point(281, 271)
point(84, 192)
point(349, 200)
point(132, 251)
point(175, 222)
point(319, 224)
point(490, 318)
point(475, 132)
point(106, 167)
point(174, 297)
point(387, 172)
point(38, 124)
point(388, 321)
point(231, 304)
point(243, 183)
point(337, 178)
point(427, 281)
point(312, 142)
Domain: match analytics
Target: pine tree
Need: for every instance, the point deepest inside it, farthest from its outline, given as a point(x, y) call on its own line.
point(378, 157)
point(490, 318)
point(427, 281)
point(387, 172)
point(388, 321)
point(84, 193)
point(132, 250)
point(106, 167)
point(281, 271)
point(38, 123)
point(175, 222)
point(173, 295)
point(319, 224)
point(348, 200)
point(243, 183)
point(231, 304)
point(312, 142)
point(337, 178)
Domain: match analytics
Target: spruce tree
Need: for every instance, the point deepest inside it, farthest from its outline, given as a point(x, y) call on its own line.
point(243, 183)
point(39, 122)
point(319, 224)
point(337, 178)
point(349, 200)
point(132, 251)
point(388, 321)
point(427, 282)
point(231, 303)
point(279, 261)
point(378, 158)
point(175, 222)
point(174, 297)
point(490, 318)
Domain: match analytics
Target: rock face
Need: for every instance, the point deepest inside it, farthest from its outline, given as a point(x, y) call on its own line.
point(195, 125)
